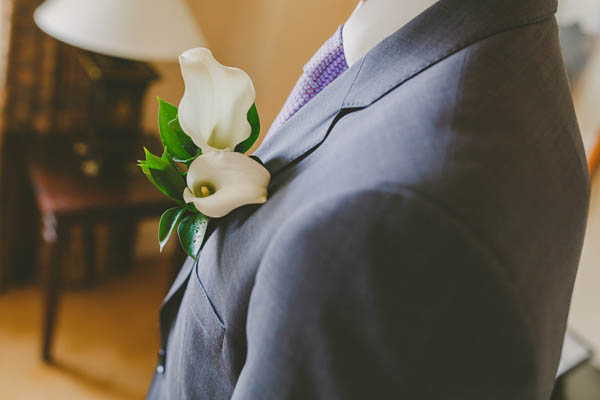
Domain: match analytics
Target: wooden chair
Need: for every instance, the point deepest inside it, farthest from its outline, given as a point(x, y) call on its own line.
point(65, 197)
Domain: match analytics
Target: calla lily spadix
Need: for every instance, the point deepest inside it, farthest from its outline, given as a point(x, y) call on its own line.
point(213, 110)
point(220, 182)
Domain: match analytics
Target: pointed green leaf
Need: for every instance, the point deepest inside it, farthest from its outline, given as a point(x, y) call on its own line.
point(188, 161)
point(146, 171)
point(191, 233)
point(172, 136)
point(168, 223)
point(254, 121)
point(142, 164)
point(172, 160)
point(165, 177)
point(166, 156)
point(186, 141)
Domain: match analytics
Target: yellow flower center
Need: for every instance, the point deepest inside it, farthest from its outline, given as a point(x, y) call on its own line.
point(204, 190)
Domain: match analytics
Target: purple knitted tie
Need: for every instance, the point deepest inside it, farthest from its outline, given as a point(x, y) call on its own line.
point(325, 66)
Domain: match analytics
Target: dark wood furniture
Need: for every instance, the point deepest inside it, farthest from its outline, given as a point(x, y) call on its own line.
point(114, 111)
point(66, 197)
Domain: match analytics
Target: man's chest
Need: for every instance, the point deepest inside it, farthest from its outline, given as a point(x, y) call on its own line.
point(209, 310)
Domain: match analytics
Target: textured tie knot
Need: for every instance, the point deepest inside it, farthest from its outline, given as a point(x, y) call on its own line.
point(328, 63)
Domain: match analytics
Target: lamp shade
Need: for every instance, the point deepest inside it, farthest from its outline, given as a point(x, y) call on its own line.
point(144, 30)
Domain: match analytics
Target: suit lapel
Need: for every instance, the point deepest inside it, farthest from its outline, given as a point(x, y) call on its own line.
point(182, 276)
point(308, 127)
point(442, 30)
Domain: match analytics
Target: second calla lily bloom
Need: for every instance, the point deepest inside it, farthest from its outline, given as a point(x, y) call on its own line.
point(220, 182)
point(214, 107)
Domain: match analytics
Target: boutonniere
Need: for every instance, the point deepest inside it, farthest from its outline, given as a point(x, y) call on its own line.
point(204, 168)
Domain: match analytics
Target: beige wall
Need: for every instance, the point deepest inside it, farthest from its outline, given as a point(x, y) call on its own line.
point(269, 39)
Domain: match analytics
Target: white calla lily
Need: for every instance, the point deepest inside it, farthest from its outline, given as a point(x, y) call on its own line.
point(214, 107)
point(220, 182)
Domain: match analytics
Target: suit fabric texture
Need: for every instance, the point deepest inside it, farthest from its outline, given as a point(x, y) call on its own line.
point(425, 222)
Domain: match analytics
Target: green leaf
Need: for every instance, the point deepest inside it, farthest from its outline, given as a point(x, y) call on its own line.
point(146, 171)
point(187, 142)
point(142, 164)
point(165, 177)
point(172, 136)
point(168, 157)
point(168, 223)
point(254, 121)
point(191, 233)
point(188, 161)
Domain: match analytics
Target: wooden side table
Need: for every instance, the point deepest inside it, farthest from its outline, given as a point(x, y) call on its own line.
point(66, 197)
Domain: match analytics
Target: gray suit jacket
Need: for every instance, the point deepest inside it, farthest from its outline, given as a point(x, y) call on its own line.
point(425, 222)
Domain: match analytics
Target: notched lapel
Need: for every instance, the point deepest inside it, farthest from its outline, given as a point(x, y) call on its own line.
point(189, 264)
point(308, 127)
point(184, 273)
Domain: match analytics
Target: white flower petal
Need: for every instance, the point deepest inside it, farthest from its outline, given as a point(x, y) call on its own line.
point(188, 196)
point(228, 199)
point(214, 107)
point(236, 180)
